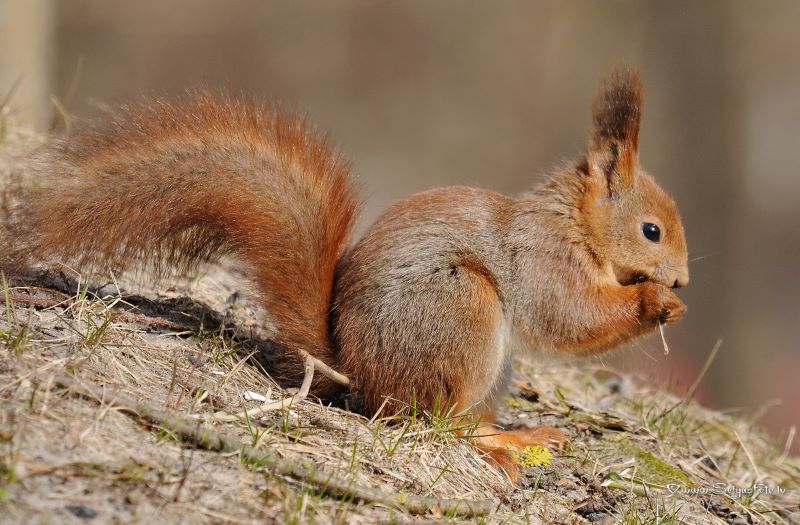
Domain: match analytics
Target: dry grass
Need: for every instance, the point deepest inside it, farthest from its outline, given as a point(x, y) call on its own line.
point(188, 350)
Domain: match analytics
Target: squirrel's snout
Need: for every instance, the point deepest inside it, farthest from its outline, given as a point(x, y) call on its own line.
point(672, 276)
point(681, 280)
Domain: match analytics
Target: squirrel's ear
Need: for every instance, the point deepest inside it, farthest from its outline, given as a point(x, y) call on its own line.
point(616, 113)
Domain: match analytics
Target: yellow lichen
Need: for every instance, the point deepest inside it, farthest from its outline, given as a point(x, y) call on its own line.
point(532, 456)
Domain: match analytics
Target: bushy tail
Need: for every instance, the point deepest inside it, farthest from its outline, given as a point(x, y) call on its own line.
point(168, 185)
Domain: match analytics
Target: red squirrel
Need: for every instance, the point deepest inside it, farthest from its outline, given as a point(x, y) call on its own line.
point(433, 302)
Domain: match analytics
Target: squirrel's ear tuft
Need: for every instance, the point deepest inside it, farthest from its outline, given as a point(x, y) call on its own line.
point(616, 115)
point(617, 109)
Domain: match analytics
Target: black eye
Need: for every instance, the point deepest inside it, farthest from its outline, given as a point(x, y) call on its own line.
point(651, 231)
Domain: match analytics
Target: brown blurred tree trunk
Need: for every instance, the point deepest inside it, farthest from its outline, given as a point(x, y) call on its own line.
point(26, 28)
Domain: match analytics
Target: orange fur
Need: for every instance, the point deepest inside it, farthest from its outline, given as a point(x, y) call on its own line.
point(169, 185)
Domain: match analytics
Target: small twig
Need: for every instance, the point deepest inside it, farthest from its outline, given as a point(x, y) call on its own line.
point(690, 393)
point(275, 405)
point(325, 370)
point(208, 439)
point(300, 395)
point(311, 364)
point(10, 93)
point(749, 456)
point(663, 339)
point(39, 302)
point(787, 448)
point(710, 359)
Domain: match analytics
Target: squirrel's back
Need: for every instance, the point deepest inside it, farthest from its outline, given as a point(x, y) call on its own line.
point(171, 184)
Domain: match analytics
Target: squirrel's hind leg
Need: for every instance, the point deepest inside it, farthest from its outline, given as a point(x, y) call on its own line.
point(504, 446)
point(436, 340)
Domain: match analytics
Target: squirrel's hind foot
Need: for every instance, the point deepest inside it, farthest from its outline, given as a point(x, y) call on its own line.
point(504, 447)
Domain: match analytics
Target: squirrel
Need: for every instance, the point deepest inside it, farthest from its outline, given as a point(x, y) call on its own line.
point(436, 298)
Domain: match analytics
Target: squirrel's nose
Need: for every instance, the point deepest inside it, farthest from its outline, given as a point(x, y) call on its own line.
point(681, 281)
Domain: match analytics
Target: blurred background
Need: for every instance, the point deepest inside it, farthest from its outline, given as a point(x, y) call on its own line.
point(422, 94)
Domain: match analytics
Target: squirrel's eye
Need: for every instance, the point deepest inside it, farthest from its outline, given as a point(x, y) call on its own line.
point(651, 231)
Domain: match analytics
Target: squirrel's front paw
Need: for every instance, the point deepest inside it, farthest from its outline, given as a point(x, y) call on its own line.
point(659, 304)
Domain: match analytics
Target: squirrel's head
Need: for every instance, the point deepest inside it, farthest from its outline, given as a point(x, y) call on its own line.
point(633, 225)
